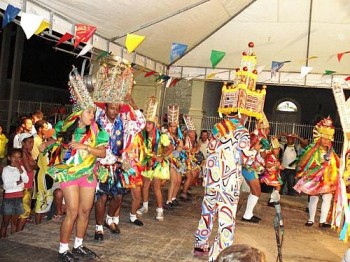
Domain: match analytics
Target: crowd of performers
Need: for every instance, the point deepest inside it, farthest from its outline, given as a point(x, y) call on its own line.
point(106, 150)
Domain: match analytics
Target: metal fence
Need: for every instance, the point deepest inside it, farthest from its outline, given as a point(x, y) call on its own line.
point(276, 128)
point(22, 108)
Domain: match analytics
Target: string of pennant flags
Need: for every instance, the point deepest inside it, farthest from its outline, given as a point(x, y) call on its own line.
point(33, 24)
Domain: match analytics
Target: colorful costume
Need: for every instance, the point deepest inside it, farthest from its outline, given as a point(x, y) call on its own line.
point(318, 170)
point(222, 175)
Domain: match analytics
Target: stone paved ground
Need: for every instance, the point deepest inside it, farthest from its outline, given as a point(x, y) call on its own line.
point(172, 239)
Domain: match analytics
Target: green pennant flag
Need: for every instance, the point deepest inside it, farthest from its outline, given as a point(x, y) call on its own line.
point(328, 72)
point(103, 54)
point(216, 57)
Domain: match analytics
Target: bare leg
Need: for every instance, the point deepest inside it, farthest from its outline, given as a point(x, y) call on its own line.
point(136, 199)
point(145, 189)
point(71, 196)
point(157, 183)
point(173, 183)
point(86, 200)
point(100, 209)
point(4, 224)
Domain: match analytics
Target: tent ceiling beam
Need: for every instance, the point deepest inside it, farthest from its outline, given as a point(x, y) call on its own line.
point(161, 19)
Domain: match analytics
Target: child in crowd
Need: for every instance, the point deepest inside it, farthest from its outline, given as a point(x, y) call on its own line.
point(27, 141)
point(14, 176)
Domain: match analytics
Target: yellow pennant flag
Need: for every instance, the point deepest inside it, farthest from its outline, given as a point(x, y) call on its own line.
point(44, 25)
point(211, 75)
point(133, 41)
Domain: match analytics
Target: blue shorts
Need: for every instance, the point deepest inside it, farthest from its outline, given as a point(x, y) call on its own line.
point(249, 174)
point(12, 206)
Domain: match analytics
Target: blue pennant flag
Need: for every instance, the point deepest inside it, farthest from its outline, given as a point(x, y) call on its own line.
point(177, 51)
point(275, 66)
point(10, 14)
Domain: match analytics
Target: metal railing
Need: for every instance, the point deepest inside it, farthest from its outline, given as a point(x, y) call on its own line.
point(277, 128)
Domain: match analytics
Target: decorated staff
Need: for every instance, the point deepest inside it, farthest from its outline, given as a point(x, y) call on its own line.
point(341, 212)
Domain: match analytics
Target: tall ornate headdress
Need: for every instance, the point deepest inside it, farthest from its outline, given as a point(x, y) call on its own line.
point(325, 129)
point(173, 114)
point(242, 96)
point(79, 93)
point(151, 107)
point(112, 81)
point(189, 123)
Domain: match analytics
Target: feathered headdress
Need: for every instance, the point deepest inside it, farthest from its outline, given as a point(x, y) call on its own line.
point(189, 123)
point(151, 107)
point(173, 113)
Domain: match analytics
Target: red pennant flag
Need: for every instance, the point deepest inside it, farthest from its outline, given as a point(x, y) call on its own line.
point(340, 55)
point(83, 33)
point(64, 38)
point(173, 83)
point(347, 79)
point(150, 73)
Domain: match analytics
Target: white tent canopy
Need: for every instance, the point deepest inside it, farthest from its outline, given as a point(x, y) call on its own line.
point(282, 30)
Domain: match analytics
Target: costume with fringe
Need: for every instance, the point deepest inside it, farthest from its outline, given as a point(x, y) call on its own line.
point(318, 170)
point(68, 165)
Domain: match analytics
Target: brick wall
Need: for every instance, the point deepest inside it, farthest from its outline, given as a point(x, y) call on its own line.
point(180, 94)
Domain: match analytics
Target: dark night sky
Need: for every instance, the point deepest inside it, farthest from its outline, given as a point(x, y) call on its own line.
point(41, 64)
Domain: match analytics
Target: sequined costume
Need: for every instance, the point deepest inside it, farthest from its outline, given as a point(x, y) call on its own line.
point(222, 175)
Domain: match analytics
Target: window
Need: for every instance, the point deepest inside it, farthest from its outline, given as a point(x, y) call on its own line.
point(287, 106)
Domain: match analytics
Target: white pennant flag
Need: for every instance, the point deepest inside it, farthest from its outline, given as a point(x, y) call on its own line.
point(305, 70)
point(169, 82)
point(30, 23)
point(86, 49)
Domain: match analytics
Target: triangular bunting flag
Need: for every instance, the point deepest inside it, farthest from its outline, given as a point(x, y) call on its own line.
point(312, 57)
point(173, 82)
point(328, 72)
point(10, 13)
point(347, 79)
point(340, 55)
point(305, 70)
point(169, 82)
point(86, 49)
point(211, 75)
point(177, 51)
point(216, 57)
point(275, 66)
point(103, 54)
point(133, 41)
point(44, 25)
point(83, 33)
point(30, 23)
point(150, 73)
point(64, 38)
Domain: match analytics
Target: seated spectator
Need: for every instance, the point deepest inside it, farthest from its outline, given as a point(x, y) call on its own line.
point(241, 253)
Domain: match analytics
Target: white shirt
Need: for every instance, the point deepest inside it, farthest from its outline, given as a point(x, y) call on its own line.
point(10, 177)
point(289, 155)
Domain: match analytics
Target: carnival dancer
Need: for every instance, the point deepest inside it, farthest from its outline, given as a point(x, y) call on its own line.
point(251, 171)
point(80, 142)
point(193, 168)
point(318, 171)
point(177, 157)
point(154, 158)
point(222, 175)
point(271, 175)
point(114, 83)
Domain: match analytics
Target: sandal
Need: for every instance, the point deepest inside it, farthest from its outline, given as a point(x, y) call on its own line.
point(309, 223)
point(199, 252)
